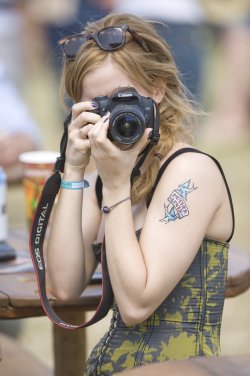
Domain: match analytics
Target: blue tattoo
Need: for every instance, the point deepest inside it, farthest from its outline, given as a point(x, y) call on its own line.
point(177, 207)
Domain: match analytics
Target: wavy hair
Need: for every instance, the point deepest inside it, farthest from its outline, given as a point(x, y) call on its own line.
point(150, 70)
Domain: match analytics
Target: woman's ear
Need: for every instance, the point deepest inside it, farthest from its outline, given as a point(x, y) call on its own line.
point(159, 91)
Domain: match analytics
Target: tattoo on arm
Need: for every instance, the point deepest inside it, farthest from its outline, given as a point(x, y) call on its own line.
point(177, 207)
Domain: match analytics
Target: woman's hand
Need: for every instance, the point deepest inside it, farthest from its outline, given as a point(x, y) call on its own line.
point(78, 147)
point(114, 164)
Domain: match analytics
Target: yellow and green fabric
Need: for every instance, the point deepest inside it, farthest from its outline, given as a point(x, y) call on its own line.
point(187, 323)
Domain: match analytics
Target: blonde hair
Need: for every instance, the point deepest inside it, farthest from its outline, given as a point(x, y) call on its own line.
point(151, 71)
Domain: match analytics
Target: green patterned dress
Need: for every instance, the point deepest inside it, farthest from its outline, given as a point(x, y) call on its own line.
point(187, 323)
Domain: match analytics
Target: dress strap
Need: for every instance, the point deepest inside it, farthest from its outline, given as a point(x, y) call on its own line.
point(98, 191)
point(192, 150)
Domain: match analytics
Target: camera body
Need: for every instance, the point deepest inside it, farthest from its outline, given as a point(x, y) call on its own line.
point(130, 115)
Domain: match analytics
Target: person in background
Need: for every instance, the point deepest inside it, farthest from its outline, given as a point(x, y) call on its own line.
point(229, 122)
point(179, 23)
point(165, 209)
point(82, 11)
point(11, 49)
point(18, 132)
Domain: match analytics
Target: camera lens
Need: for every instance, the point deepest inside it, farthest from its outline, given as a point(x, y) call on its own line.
point(126, 127)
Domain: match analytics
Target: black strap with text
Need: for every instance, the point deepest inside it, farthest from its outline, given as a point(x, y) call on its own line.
point(37, 235)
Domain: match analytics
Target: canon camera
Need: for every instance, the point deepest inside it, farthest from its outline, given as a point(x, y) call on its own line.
point(130, 115)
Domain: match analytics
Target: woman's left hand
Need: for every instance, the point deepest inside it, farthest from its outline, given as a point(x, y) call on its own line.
point(113, 164)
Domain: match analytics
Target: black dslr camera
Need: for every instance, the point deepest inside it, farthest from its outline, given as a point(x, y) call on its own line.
point(130, 114)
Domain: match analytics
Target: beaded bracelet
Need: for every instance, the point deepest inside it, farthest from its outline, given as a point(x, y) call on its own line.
point(74, 185)
point(107, 209)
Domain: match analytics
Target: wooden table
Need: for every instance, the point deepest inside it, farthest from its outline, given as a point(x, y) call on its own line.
point(238, 278)
point(215, 366)
point(19, 299)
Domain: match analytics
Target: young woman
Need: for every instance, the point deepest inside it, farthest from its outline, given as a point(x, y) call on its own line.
point(167, 230)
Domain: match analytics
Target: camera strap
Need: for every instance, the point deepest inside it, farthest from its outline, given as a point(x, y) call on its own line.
point(37, 235)
point(155, 136)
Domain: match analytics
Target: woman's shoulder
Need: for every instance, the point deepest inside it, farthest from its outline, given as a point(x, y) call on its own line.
point(194, 183)
point(184, 157)
point(185, 165)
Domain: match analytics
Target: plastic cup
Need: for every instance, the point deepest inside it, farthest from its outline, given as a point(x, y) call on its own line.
point(37, 167)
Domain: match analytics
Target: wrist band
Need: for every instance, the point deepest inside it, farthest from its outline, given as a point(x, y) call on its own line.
point(74, 185)
point(107, 209)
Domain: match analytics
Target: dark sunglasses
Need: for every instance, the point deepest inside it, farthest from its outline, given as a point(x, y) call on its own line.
point(108, 39)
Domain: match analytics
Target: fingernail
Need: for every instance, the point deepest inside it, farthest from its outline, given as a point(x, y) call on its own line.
point(94, 104)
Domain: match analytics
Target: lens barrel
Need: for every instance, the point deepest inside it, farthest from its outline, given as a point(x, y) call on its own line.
point(127, 124)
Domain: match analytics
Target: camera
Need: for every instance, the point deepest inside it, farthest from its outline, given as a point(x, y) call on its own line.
point(130, 115)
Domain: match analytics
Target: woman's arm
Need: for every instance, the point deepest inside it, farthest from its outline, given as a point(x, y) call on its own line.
point(144, 273)
point(70, 260)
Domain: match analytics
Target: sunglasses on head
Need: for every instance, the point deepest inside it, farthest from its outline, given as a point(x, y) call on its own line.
point(108, 39)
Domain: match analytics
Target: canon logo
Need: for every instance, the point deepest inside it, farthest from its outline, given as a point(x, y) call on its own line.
point(121, 95)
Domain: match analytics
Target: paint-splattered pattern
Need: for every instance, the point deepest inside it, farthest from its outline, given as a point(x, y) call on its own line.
point(186, 324)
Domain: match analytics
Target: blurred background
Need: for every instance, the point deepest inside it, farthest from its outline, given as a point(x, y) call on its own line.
point(210, 40)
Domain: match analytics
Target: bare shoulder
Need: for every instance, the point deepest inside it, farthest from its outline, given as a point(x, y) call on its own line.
point(194, 165)
point(192, 187)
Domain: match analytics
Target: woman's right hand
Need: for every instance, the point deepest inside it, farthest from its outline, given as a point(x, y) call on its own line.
point(78, 146)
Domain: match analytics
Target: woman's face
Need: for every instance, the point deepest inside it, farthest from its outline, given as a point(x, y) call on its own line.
point(107, 78)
